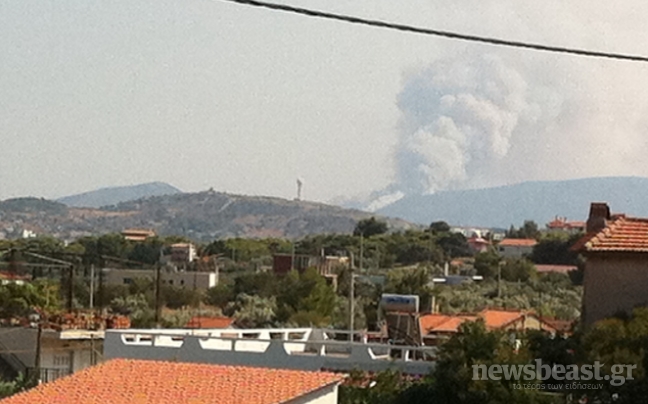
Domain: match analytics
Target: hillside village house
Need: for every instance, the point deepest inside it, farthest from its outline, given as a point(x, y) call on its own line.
point(478, 244)
point(65, 345)
point(436, 328)
point(123, 381)
point(616, 267)
point(185, 279)
point(561, 224)
point(183, 253)
point(516, 247)
point(137, 234)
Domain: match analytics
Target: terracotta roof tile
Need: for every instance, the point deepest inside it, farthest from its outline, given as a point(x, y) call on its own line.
point(209, 322)
point(500, 318)
point(429, 321)
point(122, 381)
point(432, 323)
point(518, 242)
point(624, 234)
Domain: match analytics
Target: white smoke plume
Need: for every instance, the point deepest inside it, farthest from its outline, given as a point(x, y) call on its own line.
point(457, 118)
point(475, 120)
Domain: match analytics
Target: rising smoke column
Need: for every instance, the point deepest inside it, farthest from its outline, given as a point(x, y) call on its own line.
point(458, 117)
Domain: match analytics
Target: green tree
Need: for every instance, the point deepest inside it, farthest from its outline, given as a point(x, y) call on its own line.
point(518, 269)
point(305, 299)
point(486, 264)
point(528, 230)
point(474, 345)
point(439, 227)
point(220, 295)
point(621, 340)
point(555, 249)
point(252, 311)
point(410, 281)
point(370, 227)
point(454, 245)
point(137, 308)
point(20, 383)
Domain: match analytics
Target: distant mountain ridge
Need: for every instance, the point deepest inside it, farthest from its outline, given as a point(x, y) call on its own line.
point(540, 201)
point(201, 216)
point(114, 195)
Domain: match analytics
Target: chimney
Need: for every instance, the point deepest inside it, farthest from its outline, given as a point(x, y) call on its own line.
point(598, 216)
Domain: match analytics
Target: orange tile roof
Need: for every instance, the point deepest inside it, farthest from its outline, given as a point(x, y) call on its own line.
point(623, 234)
point(209, 322)
point(429, 321)
point(493, 319)
point(500, 318)
point(518, 242)
point(123, 381)
point(453, 324)
point(432, 323)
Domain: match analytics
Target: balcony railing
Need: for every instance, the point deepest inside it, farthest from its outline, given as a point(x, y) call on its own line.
point(46, 375)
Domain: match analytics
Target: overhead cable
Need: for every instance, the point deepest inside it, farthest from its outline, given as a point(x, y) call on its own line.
point(440, 33)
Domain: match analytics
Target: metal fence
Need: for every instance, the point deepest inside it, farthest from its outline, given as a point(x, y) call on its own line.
point(46, 375)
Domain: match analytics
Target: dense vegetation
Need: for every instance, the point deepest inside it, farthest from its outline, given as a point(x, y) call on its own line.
point(612, 341)
point(385, 262)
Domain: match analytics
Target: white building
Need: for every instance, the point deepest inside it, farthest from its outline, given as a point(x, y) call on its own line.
point(61, 352)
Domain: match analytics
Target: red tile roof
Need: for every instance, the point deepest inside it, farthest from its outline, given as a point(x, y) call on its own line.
point(518, 242)
point(493, 319)
point(433, 323)
point(623, 234)
point(209, 322)
point(122, 381)
point(562, 223)
point(13, 276)
point(500, 318)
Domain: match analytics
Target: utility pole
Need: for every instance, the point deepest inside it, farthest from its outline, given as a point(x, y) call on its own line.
point(92, 276)
point(351, 299)
point(499, 279)
point(157, 294)
point(39, 333)
point(70, 303)
point(292, 258)
point(361, 250)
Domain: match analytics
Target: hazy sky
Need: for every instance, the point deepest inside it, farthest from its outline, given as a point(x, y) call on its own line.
point(210, 94)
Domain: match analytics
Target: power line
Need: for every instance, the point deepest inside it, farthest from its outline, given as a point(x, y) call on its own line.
point(445, 34)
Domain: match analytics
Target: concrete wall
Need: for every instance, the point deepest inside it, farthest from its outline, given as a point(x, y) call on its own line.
point(509, 251)
point(201, 280)
point(304, 354)
point(79, 353)
point(613, 283)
